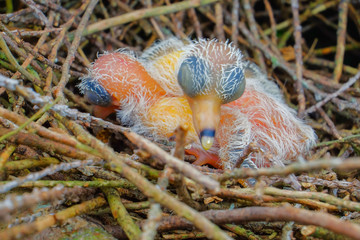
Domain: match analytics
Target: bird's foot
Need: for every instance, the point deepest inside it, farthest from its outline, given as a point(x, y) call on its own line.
point(103, 112)
point(203, 157)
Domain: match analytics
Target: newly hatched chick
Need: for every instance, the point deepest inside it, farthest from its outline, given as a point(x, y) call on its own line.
point(225, 102)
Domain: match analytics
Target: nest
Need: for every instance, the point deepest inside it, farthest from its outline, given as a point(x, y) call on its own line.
point(65, 173)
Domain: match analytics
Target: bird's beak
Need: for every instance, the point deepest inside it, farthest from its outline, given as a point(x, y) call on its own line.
point(206, 117)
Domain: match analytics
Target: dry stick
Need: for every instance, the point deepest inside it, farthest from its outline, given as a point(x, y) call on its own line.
point(338, 163)
point(37, 11)
point(143, 13)
point(210, 16)
point(219, 25)
point(29, 49)
point(146, 187)
point(272, 21)
point(27, 33)
point(5, 154)
point(175, 22)
point(45, 172)
point(355, 16)
point(240, 231)
point(11, 38)
point(182, 167)
point(234, 22)
point(270, 214)
point(330, 123)
point(276, 59)
point(248, 194)
point(332, 49)
point(155, 213)
point(342, 140)
point(21, 53)
point(42, 131)
point(329, 64)
point(195, 21)
point(340, 45)
point(75, 44)
point(33, 118)
point(154, 23)
point(119, 183)
point(13, 203)
point(30, 163)
point(298, 56)
point(13, 61)
point(152, 223)
point(307, 14)
point(38, 45)
point(343, 88)
point(355, 184)
point(179, 153)
point(46, 145)
point(340, 203)
point(57, 44)
point(335, 27)
point(252, 23)
point(212, 231)
point(120, 213)
point(49, 220)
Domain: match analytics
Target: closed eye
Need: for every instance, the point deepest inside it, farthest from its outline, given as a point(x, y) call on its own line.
point(95, 93)
point(192, 76)
point(231, 85)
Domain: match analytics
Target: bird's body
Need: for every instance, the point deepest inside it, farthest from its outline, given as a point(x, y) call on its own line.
point(199, 85)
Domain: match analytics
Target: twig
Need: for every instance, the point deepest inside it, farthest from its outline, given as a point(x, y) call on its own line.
point(143, 13)
point(343, 88)
point(116, 164)
point(155, 213)
point(13, 61)
point(152, 223)
point(269, 214)
point(337, 163)
point(241, 231)
point(272, 21)
point(50, 220)
point(342, 140)
point(317, 9)
point(75, 44)
point(329, 123)
point(173, 162)
point(40, 42)
point(219, 22)
point(355, 184)
point(195, 20)
point(37, 11)
point(120, 183)
point(298, 56)
point(48, 146)
point(33, 118)
point(249, 194)
point(47, 171)
point(340, 46)
point(253, 28)
point(5, 154)
point(30, 163)
point(42, 131)
point(120, 214)
point(13, 203)
point(211, 230)
point(350, 205)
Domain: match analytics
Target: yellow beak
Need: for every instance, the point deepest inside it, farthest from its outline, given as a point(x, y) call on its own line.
point(206, 117)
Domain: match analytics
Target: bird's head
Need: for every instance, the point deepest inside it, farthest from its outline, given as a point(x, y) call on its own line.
point(211, 74)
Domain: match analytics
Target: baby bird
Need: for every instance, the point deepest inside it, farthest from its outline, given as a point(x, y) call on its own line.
point(225, 102)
